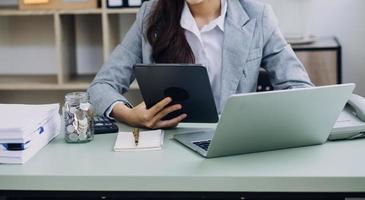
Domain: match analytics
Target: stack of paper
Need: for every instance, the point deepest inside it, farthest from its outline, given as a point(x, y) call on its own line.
point(26, 129)
point(148, 140)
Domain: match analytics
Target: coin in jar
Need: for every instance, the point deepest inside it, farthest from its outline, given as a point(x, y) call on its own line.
point(73, 137)
point(70, 129)
point(82, 137)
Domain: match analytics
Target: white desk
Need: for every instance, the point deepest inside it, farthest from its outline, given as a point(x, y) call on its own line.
point(332, 167)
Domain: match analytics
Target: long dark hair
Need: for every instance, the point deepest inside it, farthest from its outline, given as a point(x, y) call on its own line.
point(166, 36)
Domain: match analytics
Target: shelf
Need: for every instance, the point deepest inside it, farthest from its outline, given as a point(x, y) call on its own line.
point(44, 53)
point(79, 82)
point(320, 44)
point(10, 12)
point(27, 82)
point(44, 82)
point(122, 11)
point(80, 12)
point(80, 79)
point(13, 12)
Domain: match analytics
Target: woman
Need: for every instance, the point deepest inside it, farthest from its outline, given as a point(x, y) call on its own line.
point(232, 38)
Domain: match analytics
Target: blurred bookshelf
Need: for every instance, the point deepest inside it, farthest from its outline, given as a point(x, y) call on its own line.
point(45, 49)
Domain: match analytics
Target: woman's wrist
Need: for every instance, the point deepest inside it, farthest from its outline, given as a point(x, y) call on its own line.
point(122, 113)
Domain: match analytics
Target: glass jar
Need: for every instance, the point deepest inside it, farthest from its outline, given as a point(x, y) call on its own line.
point(78, 116)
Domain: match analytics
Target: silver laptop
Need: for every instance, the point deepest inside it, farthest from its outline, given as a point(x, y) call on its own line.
point(257, 122)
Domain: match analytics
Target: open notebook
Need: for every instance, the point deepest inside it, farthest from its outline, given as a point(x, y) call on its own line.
point(148, 140)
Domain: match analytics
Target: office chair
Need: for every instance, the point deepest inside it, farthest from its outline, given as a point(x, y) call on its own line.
point(263, 82)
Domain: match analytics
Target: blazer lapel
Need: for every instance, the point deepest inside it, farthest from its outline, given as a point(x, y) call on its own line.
point(238, 30)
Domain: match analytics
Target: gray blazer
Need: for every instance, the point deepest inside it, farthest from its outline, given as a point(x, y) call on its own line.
point(252, 40)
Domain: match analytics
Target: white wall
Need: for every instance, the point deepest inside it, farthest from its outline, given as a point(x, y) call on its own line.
point(342, 18)
point(89, 44)
point(27, 45)
point(345, 19)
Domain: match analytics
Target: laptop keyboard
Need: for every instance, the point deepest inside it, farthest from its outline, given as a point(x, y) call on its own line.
point(203, 144)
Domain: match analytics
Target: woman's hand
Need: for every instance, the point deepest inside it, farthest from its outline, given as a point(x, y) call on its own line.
point(140, 116)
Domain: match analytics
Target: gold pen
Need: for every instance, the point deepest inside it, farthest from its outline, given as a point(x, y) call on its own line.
point(136, 135)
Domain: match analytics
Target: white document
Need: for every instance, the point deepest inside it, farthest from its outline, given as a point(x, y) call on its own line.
point(26, 137)
point(18, 120)
point(50, 130)
point(148, 140)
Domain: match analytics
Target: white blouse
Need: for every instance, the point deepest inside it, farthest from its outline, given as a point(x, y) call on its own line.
point(207, 45)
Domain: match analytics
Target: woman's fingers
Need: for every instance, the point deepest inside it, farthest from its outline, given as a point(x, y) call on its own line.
point(171, 123)
point(159, 106)
point(165, 112)
point(151, 118)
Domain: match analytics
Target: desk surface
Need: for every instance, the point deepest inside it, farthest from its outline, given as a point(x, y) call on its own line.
point(332, 167)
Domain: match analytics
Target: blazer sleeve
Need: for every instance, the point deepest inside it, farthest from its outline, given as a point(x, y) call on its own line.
point(116, 74)
point(279, 59)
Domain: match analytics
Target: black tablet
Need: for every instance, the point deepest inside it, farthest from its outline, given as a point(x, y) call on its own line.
point(186, 84)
